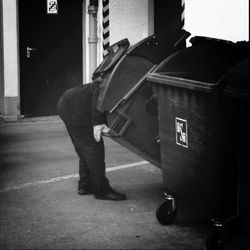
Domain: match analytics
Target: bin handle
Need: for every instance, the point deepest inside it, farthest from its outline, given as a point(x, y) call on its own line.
point(120, 124)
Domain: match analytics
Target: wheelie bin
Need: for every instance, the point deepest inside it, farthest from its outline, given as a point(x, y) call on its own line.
point(198, 157)
point(237, 94)
point(129, 101)
point(233, 233)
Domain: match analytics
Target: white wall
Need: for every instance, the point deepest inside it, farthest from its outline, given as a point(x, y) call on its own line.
point(10, 48)
point(130, 19)
point(224, 19)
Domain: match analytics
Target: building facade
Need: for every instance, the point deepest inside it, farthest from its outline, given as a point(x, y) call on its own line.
point(46, 46)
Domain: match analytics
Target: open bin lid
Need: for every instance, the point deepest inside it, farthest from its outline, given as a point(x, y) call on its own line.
point(132, 68)
point(115, 52)
point(205, 40)
point(199, 67)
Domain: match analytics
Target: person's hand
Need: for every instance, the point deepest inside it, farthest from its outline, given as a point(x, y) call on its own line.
point(98, 130)
point(105, 129)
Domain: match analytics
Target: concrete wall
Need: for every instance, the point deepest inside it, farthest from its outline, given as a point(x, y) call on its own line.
point(130, 19)
point(10, 58)
point(1, 61)
point(224, 19)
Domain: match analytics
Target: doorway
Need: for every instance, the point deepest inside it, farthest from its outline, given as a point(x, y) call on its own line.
point(50, 50)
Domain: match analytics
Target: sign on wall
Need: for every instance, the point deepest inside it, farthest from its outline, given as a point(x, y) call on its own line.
point(52, 7)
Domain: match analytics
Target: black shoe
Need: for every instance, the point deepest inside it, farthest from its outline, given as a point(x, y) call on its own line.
point(84, 191)
point(112, 196)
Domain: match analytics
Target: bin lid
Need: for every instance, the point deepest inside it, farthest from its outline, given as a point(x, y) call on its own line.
point(131, 70)
point(115, 52)
point(152, 48)
point(236, 80)
point(205, 40)
point(199, 67)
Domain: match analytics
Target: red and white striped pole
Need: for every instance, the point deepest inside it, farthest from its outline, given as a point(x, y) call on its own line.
point(105, 25)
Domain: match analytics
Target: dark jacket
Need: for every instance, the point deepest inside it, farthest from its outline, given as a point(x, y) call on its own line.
point(77, 106)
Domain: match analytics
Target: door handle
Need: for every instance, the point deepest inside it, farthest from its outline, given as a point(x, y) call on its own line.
point(28, 50)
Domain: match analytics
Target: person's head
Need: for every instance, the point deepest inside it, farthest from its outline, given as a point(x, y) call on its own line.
point(97, 78)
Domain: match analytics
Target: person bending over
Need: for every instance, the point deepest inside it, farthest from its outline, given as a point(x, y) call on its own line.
point(85, 125)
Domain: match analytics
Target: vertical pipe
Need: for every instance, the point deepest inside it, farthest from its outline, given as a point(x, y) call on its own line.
point(92, 39)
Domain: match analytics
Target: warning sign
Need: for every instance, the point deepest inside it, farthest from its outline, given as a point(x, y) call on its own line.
point(52, 7)
point(181, 132)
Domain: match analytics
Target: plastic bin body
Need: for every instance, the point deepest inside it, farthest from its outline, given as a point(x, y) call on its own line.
point(198, 156)
point(237, 98)
point(134, 128)
point(125, 95)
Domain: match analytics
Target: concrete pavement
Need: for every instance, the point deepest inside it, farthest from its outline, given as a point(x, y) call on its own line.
point(40, 209)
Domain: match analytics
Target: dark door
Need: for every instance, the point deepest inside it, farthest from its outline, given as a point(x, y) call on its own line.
point(50, 53)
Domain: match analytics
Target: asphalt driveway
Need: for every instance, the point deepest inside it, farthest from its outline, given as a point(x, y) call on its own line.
point(40, 208)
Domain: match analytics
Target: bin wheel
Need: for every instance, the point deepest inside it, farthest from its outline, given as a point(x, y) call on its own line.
point(215, 239)
point(227, 235)
point(167, 211)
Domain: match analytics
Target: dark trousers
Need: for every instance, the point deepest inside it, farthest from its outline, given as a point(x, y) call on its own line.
point(91, 159)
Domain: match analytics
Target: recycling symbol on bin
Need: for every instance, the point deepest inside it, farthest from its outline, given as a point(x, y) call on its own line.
point(181, 132)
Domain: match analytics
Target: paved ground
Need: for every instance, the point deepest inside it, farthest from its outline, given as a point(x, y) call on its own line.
point(39, 206)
